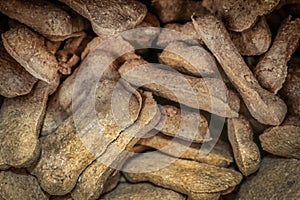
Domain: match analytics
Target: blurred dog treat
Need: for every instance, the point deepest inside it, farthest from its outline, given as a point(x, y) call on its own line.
point(282, 141)
point(238, 14)
point(271, 71)
point(21, 119)
point(193, 60)
point(31, 54)
point(253, 41)
point(183, 124)
point(94, 177)
point(263, 105)
point(178, 10)
point(245, 151)
point(18, 184)
point(14, 79)
point(48, 19)
point(181, 175)
point(141, 191)
point(212, 94)
point(277, 178)
point(110, 16)
point(219, 156)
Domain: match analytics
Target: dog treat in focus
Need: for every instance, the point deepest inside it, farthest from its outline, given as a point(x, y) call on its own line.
point(277, 178)
point(178, 10)
point(110, 17)
point(95, 176)
point(212, 94)
point(238, 14)
point(48, 19)
point(245, 151)
point(14, 79)
point(70, 136)
point(31, 54)
point(282, 141)
point(219, 156)
point(193, 60)
point(20, 121)
point(177, 123)
point(183, 176)
point(271, 71)
point(18, 184)
point(141, 191)
point(291, 90)
point(62, 160)
point(254, 41)
point(264, 106)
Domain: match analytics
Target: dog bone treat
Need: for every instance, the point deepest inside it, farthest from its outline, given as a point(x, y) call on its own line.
point(59, 178)
point(110, 16)
point(62, 160)
point(291, 90)
point(238, 14)
point(245, 151)
point(282, 141)
point(14, 79)
point(277, 178)
point(20, 121)
point(178, 10)
point(177, 122)
point(271, 71)
point(20, 185)
point(167, 82)
point(263, 105)
point(219, 156)
point(193, 60)
point(183, 176)
point(141, 191)
point(93, 178)
point(253, 41)
point(48, 19)
point(31, 54)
